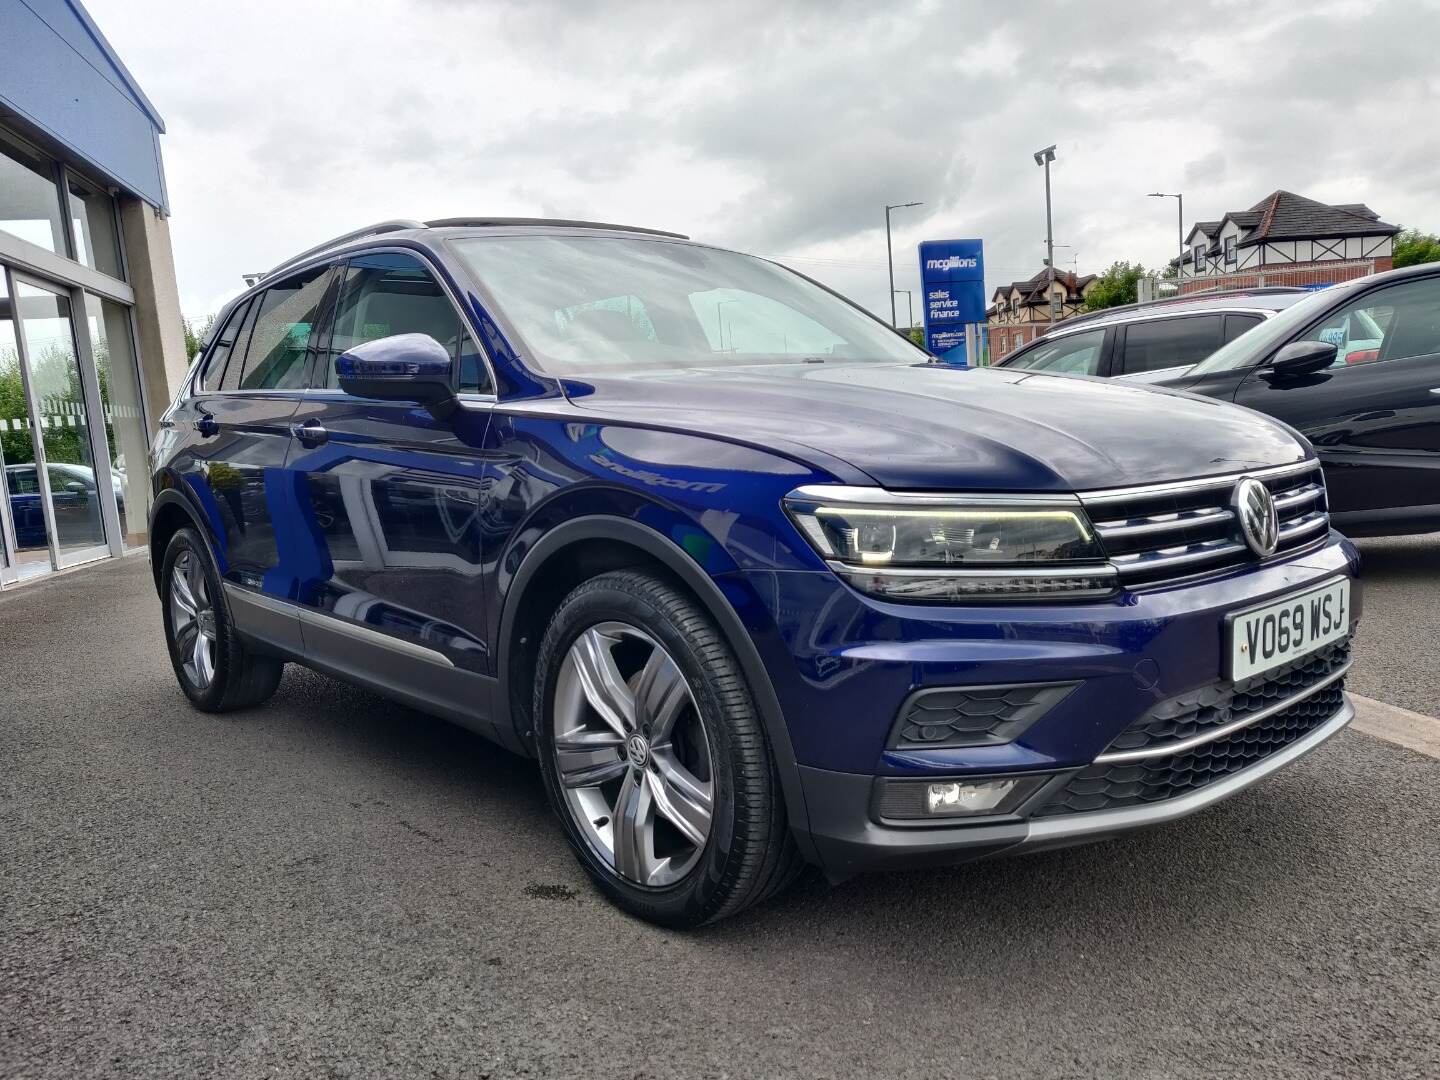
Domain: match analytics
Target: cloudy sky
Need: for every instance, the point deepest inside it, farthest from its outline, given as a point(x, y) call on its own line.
point(778, 127)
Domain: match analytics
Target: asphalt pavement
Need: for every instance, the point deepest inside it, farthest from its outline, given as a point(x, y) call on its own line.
point(334, 886)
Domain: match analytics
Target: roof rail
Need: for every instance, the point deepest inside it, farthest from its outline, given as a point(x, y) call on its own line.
point(394, 225)
point(566, 223)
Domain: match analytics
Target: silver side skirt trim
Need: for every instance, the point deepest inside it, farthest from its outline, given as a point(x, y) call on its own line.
point(1104, 822)
point(1227, 729)
point(336, 625)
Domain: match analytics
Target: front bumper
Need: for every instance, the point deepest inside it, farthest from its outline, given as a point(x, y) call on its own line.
point(849, 842)
point(844, 663)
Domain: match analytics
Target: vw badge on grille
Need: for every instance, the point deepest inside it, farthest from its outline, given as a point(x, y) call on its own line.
point(1254, 506)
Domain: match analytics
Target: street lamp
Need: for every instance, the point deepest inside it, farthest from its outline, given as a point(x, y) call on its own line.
point(890, 256)
point(720, 323)
point(1043, 158)
point(909, 305)
point(1179, 220)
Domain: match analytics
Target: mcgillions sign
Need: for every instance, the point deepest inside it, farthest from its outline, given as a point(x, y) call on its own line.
point(952, 276)
point(954, 262)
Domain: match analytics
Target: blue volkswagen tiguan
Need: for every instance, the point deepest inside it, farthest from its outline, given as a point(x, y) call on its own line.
point(755, 580)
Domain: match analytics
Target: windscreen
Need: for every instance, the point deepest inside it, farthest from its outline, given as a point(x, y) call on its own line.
point(591, 305)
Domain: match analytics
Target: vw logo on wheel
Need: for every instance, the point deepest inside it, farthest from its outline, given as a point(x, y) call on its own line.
point(638, 750)
point(1254, 507)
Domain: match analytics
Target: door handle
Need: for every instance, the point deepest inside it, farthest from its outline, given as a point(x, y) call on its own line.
point(309, 434)
point(207, 426)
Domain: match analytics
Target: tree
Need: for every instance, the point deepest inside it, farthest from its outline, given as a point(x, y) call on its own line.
point(1118, 285)
point(195, 339)
point(1413, 247)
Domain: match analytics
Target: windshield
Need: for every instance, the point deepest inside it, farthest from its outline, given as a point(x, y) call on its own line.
point(1250, 348)
point(588, 305)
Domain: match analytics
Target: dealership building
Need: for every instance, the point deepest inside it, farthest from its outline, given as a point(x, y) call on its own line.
point(91, 339)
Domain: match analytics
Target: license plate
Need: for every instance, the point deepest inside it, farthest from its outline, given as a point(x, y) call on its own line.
point(1285, 630)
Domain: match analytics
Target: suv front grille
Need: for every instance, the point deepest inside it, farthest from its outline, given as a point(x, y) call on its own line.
point(1162, 533)
point(1116, 785)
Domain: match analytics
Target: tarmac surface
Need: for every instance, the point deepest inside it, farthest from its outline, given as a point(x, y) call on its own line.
point(334, 886)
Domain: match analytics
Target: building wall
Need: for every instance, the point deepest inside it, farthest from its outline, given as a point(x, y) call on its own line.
point(90, 325)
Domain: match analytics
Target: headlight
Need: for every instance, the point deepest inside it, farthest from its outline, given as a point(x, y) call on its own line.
point(929, 548)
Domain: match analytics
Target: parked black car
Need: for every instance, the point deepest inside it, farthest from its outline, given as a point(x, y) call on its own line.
point(1356, 369)
point(1138, 339)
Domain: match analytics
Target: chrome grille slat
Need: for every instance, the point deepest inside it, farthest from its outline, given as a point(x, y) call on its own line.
point(1157, 524)
point(1166, 532)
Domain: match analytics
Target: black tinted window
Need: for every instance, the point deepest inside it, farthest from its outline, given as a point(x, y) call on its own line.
point(285, 317)
point(220, 352)
point(1167, 343)
point(1235, 325)
point(388, 294)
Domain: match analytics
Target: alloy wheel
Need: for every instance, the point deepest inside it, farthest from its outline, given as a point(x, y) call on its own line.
point(632, 755)
point(192, 619)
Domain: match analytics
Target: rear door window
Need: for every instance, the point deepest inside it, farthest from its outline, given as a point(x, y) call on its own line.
point(1167, 343)
point(279, 333)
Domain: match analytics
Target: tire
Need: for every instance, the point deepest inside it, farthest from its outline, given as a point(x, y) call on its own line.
point(709, 742)
point(197, 621)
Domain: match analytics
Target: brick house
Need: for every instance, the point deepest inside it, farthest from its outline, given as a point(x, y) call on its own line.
point(1286, 239)
point(1020, 311)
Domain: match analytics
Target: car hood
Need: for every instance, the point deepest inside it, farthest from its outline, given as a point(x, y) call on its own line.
point(937, 427)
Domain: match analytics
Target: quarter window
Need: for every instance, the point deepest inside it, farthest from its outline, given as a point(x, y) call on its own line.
point(394, 293)
point(1235, 325)
point(220, 352)
point(1167, 343)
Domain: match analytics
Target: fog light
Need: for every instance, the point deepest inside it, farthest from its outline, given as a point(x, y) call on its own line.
point(959, 797)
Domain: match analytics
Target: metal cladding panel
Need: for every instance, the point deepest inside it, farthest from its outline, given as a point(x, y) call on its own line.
point(58, 73)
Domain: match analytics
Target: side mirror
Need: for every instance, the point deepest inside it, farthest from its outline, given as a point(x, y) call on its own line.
point(75, 487)
point(1304, 357)
point(403, 367)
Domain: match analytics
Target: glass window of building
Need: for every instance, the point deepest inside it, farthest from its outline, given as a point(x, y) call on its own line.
point(92, 218)
point(29, 197)
point(55, 387)
point(124, 409)
point(23, 515)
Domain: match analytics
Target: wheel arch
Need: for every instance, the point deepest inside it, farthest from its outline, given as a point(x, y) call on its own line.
point(170, 513)
point(590, 545)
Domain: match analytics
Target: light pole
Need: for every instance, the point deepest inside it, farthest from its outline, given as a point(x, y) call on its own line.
point(909, 306)
point(1179, 222)
point(720, 323)
point(1043, 158)
point(890, 255)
